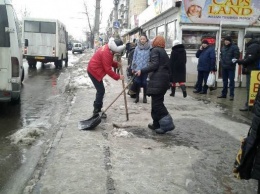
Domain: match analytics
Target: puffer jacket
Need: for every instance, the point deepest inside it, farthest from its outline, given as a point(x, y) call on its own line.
point(252, 56)
point(250, 160)
point(229, 52)
point(207, 59)
point(141, 56)
point(158, 68)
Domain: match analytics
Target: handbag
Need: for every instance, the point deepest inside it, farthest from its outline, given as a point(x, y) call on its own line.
point(211, 80)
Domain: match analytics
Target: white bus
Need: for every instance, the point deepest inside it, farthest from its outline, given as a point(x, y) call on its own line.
point(11, 58)
point(45, 40)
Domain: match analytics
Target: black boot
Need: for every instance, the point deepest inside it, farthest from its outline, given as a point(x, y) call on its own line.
point(184, 92)
point(173, 91)
point(97, 111)
point(144, 96)
point(137, 95)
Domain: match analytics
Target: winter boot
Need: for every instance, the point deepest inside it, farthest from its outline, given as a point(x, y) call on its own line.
point(137, 94)
point(184, 92)
point(97, 111)
point(144, 95)
point(166, 124)
point(173, 91)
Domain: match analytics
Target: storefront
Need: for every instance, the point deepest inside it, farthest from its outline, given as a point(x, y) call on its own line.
point(196, 20)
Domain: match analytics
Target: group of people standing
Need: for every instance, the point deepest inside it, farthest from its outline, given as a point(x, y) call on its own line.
point(152, 69)
point(156, 72)
point(229, 57)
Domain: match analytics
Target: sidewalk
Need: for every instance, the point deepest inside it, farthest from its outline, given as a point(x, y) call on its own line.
point(125, 157)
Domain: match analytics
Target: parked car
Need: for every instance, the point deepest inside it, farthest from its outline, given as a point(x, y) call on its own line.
point(77, 47)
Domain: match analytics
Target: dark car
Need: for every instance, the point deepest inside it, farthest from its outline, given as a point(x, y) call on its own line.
point(70, 47)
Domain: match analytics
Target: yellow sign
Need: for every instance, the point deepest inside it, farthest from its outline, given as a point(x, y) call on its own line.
point(254, 85)
point(39, 57)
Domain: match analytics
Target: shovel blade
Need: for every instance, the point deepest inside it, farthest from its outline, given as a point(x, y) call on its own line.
point(90, 123)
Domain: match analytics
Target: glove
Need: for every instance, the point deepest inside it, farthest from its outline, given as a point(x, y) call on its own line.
point(234, 60)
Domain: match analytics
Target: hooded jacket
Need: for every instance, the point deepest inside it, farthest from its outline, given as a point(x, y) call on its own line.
point(101, 64)
point(252, 56)
point(141, 56)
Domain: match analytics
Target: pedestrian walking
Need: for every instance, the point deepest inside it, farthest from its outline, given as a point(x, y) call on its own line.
point(250, 62)
point(140, 61)
point(206, 64)
point(158, 85)
point(100, 65)
point(178, 67)
point(228, 52)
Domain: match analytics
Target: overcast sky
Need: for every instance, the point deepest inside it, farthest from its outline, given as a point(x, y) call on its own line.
point(70, 12)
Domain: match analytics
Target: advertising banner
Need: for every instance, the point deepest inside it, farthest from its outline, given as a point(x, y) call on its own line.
point(215, 11)
point(254, 86)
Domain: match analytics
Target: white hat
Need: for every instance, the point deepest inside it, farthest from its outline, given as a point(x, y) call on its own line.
point(175, 42)
point(112, 44)
point(200, 3)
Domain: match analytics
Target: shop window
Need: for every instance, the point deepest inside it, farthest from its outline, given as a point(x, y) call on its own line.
point(160, 31)
point(152, 33)
point(192, 39)
point(170, 36)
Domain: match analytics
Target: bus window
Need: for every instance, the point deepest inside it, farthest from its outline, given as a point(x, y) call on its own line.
point(31, 26)
point(48, 27)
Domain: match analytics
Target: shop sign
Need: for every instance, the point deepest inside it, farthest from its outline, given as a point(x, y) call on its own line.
point(215, 11)
point(254, 86)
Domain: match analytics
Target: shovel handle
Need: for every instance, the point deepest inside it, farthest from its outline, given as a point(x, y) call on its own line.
point(120, 93)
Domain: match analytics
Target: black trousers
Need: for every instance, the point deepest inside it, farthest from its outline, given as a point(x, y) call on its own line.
point(99, 85)
point(158, 109)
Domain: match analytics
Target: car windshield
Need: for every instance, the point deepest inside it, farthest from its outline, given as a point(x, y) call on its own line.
point(4, 36)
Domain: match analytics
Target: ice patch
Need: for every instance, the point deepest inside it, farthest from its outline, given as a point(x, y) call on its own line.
point(121, 133)
point(26, 136)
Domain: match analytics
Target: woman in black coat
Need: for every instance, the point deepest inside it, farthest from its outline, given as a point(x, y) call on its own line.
point(158, 85)
point(249, 165)
point(178, 67)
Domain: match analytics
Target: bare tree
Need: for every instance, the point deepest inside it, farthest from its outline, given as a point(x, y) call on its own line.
point(89, 24)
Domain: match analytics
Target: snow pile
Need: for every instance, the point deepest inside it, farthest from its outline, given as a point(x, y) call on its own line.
point(81, 81)
point(26, 136)
point(121, 133)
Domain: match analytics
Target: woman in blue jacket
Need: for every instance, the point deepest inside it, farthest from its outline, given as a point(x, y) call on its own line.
point(207, 61)
point(140, 61)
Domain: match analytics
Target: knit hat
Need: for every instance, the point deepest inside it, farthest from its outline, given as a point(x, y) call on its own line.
point(116, 45)
point(228, 38)
point(159, 41)
point(205, 42)
point(175, 42)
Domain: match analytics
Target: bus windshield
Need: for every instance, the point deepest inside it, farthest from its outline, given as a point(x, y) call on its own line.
point(4, 36)
point(40, 27)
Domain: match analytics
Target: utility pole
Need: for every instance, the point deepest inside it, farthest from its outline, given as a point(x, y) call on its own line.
point(115, 23)
point(97, 18)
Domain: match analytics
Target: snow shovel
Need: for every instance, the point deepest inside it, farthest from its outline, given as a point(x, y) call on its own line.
point(95, 120)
